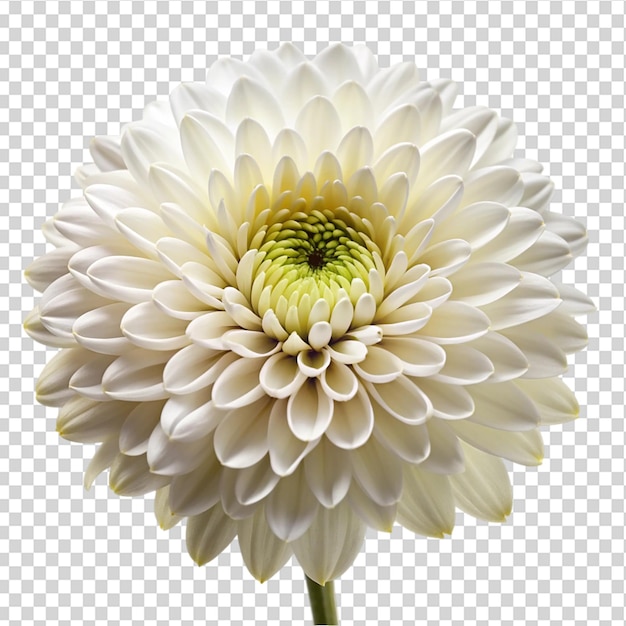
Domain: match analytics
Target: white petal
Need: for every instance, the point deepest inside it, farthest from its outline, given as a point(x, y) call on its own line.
point(319, 335)
point(142, 228)
point(549, 254)
point(253, 483)
point(162, 512)
point(353, 421)
point(99, 329)
point(405, 320)
point(42, 272)
point(378, 472)
point(138, 427)
point(373, 514)
point(52, 387)
point(455, 322)
point(379, 366)
point(353, 105)
point(263, 552)
point(339, 382)
point(427, 504)
point(403, 399)
point(570, 230)
point(173, 298)
point(319, 125)
point(507, 359)
point(520, 447)
point(328, 473)
point(291, 507)
point(563, 330)
point(554, 400)
point(389, 84)
point(148, 327)
point(483, 489)
point(248, 98)
point(400, 157)
point(545, 357)
point(480, 121)
point(208, 534)
point(538, 190)
point(102, 459)
point(534, 297)
point(225, 71)
point(199, 490)
point(447, 257)
point(241, 437)
point(404, 121)
point(136, 376)
point(131, 476)
point(483, 283)
point(313, 364)
point(309, 411)
point(464, 366)
point(410, 442)
point(194, 368)
point(280, 376)
point(495, 184)
point(446, 453)
point(208, 329)
point(107, 153)
point(503, 406)
point(450, 402)
point(89, 421)
point(337, 64)
point(195, 95)
point(285, 450)
point(437, 201)
point(417, 356)
point(169, 457)
point(251, 344)
point(331, 544)
point(38, 332)
point(502, 144)
point(238, 384)
point(575, 302)
point(87, 380)
point(107, 200)
point(80, 225)
point(127, 278)
point(191, 416)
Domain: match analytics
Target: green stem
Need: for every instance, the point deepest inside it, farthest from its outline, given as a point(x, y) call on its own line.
point(322, 602)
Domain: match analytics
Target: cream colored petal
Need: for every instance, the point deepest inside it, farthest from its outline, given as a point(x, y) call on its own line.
point(403, 399)
point(427, 504)
point(199, 490)
point(42, 272)
point(503, 406)
point(138, 426)
point(249, 98)
point(187, 417)
point(389, 84)
point(563, 330)
point(253, 483)
point(101, 460)
point(225, 71)
point(449, 401)
point(399, 157)
point(289, 143)
point(209, 533)
point(280, 376)
point(107, 200)
point(107, 153)
point(251, 138)
point(285, 450)
point(464, 366)
point(78, 223)
point(352, 422)
point(403, 121)
point(447, 257)
point(136, 376)
point(429, 104)
point(378, 472)
point(339, 382)
point(553, 399)
point(480, 121)
point(534, 297)
point(196, 95)
point(319, 125)
point(479, 284)
point(38, 332)
point(450, 153)
point(250, 343)
point(204, 283)
point(146, 326)
point(239, 309)
point(545, 357)
point(173, 298)
point(238, 385)
point(483, 489)
point(525, 447)
point(379, 366)
point(291, 507)
point(522, 230)
point(575, 302)
point(417, 356)
point(501, 146)
point(353, 105)
point(338, 63)
point(131, 476)
point(328, 472)
point(165, 518)
point(194, 368)
point(549, 254)
point(127, 278)
point(354, 151)
point(373, 514)
point(309, 411)
point(496, 183)
point(538, 190)
point(348, 351)
point(570, 230)
point(507, 359)
point(171, 458)
point(99, 329)
point(331, 544)
point(410, 442)
point(52, 388)
point(241, 436)
point(405, 320)
point(446, 454)
point(455, 322)
point(87, 380)
point(89, 421)
point(263, 552)
point(142, 228)
point(313, 364)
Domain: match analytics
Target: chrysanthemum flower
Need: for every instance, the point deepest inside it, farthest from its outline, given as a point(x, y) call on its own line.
point(308, 297)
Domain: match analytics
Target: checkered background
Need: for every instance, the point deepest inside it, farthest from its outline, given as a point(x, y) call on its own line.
point(70, 70)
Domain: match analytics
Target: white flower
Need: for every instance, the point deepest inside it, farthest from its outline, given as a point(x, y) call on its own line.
point(307, 297)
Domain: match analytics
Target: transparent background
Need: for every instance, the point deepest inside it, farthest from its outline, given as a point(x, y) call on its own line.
point(71, 70)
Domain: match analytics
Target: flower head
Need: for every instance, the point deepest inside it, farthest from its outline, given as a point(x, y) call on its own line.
point(307, 297)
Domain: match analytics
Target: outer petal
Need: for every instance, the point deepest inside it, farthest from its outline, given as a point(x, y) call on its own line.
point(209, 533)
